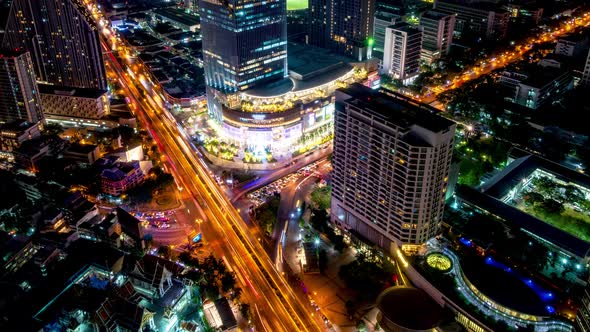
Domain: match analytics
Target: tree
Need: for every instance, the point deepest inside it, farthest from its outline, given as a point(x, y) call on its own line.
point(52, 129)
point(165, 251)
point(321, 197)
point(245, 311)
point(573, 195)
point(552, 206)
point(531, 197)
point(228, 281)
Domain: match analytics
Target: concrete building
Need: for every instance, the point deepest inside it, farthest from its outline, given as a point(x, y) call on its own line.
point(403, 44)
point(85, 153)
point(476, 17)
point(392, 158)
point(537, 86)
point(529, 14)
point(438, 29)
point(19, 98)
point(381, 21)
point(586, 75)
point(79, 103)
point(62, 39)
point(13, 134)
point(344, 26)
point(120, 178)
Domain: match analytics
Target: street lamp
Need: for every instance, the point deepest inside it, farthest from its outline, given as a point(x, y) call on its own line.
point(199, 221)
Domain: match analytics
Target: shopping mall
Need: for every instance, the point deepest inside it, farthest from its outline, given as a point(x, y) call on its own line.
point(291, 115)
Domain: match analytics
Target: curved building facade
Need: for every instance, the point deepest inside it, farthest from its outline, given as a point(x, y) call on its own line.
point(284, 116)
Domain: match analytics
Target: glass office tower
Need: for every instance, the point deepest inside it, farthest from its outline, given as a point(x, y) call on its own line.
point(244, 42)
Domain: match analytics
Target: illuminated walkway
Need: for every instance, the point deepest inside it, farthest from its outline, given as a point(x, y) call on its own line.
point(541, 324)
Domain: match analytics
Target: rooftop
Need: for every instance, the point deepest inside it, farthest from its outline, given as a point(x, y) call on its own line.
point(434, 15)
point(410, 308)
point(71, 91)
point(178, 15)
point(395, 108)
point(17, 126)
point(10, 53)
point(539, 77)
point(405, 27)
point(512, 174)
point(81, 148)
point(524, 221)
point(309, 67)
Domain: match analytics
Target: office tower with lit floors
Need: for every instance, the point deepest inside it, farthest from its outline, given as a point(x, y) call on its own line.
point(244, 43)
point(391, 165)
point(62, 39)
point(19, 95)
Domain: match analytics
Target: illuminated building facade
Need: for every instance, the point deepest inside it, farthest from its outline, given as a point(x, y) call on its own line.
point(252, 102)
point(403, 45)
point(244, 42)
point(19, 94)
point(438, 31)
point(344, 26)
point(282, 122)
point(392, 158)
point(62, 39)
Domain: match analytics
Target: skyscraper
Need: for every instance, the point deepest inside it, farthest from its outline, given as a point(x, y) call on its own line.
point(438, 34)
point(345, 26)
point(403, 44)
point(391, 165)
point(244, 42)
point(62, 39)
point(19, 95)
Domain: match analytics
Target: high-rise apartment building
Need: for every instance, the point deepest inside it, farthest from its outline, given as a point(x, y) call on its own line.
point(391, 164)
point(244, 42)
point(19, 95)
point(62, 39)
point(320, 23)
point(381, 21)
point(478, 18)
point(438, 31)
point(403, 44)
point(345, 26)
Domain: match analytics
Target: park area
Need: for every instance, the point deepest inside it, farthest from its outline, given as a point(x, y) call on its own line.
point(560, 205)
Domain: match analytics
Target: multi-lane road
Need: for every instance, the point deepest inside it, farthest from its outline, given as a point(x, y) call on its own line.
point(275, 306)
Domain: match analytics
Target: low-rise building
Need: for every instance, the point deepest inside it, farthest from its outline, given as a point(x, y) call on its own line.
point(14, 133)
point(85, 153)
point(179, 18)
point(537, 86)
point(81, 103)
point(15, 252)
point(121, 177)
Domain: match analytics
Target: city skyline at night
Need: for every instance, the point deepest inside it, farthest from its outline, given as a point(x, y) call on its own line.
point(294, 165)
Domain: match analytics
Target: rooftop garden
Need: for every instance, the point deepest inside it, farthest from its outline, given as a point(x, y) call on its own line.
point(559, 204)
